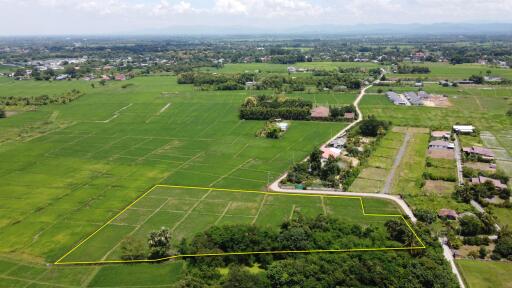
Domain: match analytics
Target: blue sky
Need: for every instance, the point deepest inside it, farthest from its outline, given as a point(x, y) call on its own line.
point(133, 16)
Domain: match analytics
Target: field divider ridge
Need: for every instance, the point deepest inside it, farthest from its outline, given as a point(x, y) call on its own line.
point(360, 198)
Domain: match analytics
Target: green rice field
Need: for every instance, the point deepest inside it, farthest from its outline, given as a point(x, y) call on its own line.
point(187, 211)
point(67, 169)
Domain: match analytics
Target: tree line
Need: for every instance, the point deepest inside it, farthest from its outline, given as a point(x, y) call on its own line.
point(425, 268)
point(40, 100)
point(406, 69)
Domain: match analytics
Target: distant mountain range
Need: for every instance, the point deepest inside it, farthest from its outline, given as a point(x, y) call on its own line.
point(363, 29)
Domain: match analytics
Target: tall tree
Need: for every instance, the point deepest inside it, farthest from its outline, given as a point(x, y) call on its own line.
point(159, 243)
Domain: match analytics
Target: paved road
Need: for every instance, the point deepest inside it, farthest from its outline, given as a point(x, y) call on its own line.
point(398, 159)
point(406, 209)
point(458, 158)
point(448, 254)
point(400, 202)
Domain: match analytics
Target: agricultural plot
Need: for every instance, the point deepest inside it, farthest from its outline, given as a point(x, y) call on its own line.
point(485, 274)
point(410, 170)
point(64, 182)
point(372, 178)
point(503, 158)
point(443, 71)
point(484, 107)
point(409, 181)
point(445, 169)
point(189, 210)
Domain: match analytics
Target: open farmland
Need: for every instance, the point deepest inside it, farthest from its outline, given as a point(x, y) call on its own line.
point(446, 71)
point(187, 211)
point(373, 177)
point(482, 106)
point(67, 169)
point(485, 274)
point(86, 171)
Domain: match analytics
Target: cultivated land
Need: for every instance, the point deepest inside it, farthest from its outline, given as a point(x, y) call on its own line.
point(187, 211)
point(485, 273)
point(67, 169)
point(373, 177)
point(445, 71)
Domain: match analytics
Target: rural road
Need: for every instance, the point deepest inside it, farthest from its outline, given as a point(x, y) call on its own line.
point(458, 158)
point(396, 199)
point(399, 201)
point(448, 254)
point(398, 159)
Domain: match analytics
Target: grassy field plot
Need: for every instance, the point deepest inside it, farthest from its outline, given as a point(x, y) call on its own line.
point(442, 169)
point(442, 71)
point(372, 178)
point(410, 170)
point(419, 193)
point(189, 210)
point(64, 183)
point(486, 274)
point(482, 106)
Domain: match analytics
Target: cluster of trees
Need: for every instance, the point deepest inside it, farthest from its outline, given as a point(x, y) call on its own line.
point(478, 79)
point(469, 172)
point(503, 247)
point(308, 171)
point(479, 224)
point(425, 268)
point(40, 100)
point(218, 81)
point(156, 246)
point(478, 192)
point(337, 113)
point(267, 107)
point(238, 81)
point(43, 75)
point(298, 234)
point(405, 69)
point(271, 131)
point(3, 114)
point(336, 79)
point(372, 127)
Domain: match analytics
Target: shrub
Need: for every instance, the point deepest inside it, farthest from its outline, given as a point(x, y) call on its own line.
point(425, 215)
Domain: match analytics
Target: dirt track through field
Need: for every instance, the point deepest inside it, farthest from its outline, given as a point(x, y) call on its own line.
point(396, 163)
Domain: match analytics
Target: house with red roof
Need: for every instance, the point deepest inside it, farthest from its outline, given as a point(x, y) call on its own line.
point(484, 153)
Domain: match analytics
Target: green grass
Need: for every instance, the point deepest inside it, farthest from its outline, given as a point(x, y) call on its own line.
point(410, 171)
point(504, 216)
point(442, 71)
point(442, 168)
point(483, 107)
point(63, 174)
point(372, 178)
point(482, 274)
point(189, 211)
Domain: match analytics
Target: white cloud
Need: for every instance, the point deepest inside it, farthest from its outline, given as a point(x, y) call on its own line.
point(166, 8)
point(230, 7)
point(141, 14)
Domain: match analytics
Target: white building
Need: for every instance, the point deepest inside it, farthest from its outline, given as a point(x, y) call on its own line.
point(463, 129)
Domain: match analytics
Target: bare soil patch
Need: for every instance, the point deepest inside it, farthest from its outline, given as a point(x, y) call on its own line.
point(413, 130)
point(441, 154)
point(438, 187)
point(480, 166)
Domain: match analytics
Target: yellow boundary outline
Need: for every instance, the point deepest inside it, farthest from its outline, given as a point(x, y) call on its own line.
point(60, 262)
